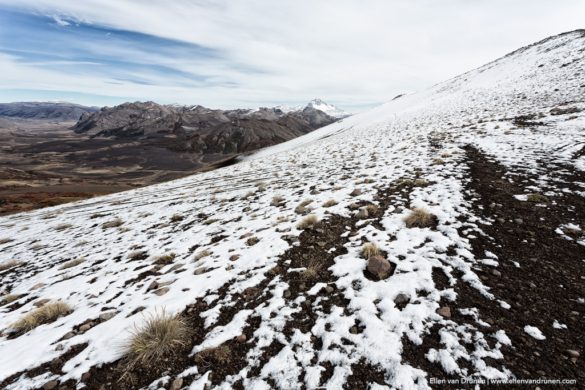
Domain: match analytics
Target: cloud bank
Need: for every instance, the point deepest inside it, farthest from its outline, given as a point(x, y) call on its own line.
point(258, 52)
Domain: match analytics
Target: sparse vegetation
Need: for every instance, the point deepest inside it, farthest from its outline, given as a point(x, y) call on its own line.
point(210, 221)
point(72, 263)
point(312, 270)
point(9, 264)
point(330, 203)
point(277, 201)
point(63, 226)
point(420, 183)
point(177, 218)
point(116, 222)
point(302, 207)
point(165, 259)
point(372, 209)
point(537, 198)
point(9, 298)
point(157, 339)
point(355, 192)
point(252, 241)
point(438, 161)
point(370, 249)
point(137, 255)
point(421, 218)
point(43, 315)
point(218, 355)
point(5, 240)
point(308, 222)
point(201, 254)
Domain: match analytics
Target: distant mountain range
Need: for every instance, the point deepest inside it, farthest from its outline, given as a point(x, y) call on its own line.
point(44, 110)
point(203, 130)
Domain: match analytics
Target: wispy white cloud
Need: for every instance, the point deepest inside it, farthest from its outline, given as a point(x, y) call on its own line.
point(284, 51)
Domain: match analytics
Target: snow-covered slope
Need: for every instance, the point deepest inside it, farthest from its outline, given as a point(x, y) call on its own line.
point(241, 264)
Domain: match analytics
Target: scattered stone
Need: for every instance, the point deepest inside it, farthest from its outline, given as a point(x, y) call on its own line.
point(37, 286)
point(199, 271)
point(572, 353)
point(241, 338)
point(353, 330)
point(59, 347)
point(152, 286)
point(50, 385)
point(252, 241)
point(519, 221)
point(501, 220)
point(497, 273)
point(444, 311)
point(401, 299)
point(85, 376)
point(329, 289)
point(177, 384)
point(68, 335)
point(379, 266)
point(532, 285)
point(286, 294)
point(234, 257)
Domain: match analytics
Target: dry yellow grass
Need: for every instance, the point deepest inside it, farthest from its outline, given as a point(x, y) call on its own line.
point(72, 263)
point(201, 254)
point(158, 338)
point(43, 315)
point(219, 355)
point(9, 264)
point(302, 207)
point(277, 201)
point(9, 298)
point(537, 198)
point(370, 249)
point(308, 222)
point(330, 203)
point(63, 226)
point(420, 218)
point(116, 222)
point(165, 259)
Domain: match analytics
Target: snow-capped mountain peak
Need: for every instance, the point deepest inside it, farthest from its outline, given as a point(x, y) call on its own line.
point(327, 108)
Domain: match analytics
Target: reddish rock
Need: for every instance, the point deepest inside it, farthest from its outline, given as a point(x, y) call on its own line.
point(379, 266)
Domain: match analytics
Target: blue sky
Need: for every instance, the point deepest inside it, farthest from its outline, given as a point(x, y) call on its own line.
point(258, 52)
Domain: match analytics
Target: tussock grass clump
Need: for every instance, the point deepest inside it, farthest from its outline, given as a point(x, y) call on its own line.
point(420, 183)
point(312, 270)
point(330, 203)
point(420, 218)
point(302, 207)
point(63, 226)
point(137, 255)
point(210, 221)
point(201, 254)
point(5, 240)
point(9, 264)
point(116, 222)
point(370, 249)
point(355, 192)
point(177, 218)
point(219, 355)
point(72, 263)
point(43, 315)
point(438, 161)
point(277, 201)
point(157, 339)
point(372, 209)
point(308, 222)
point(537, 198)
point(165, 259)
point(9, 298)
